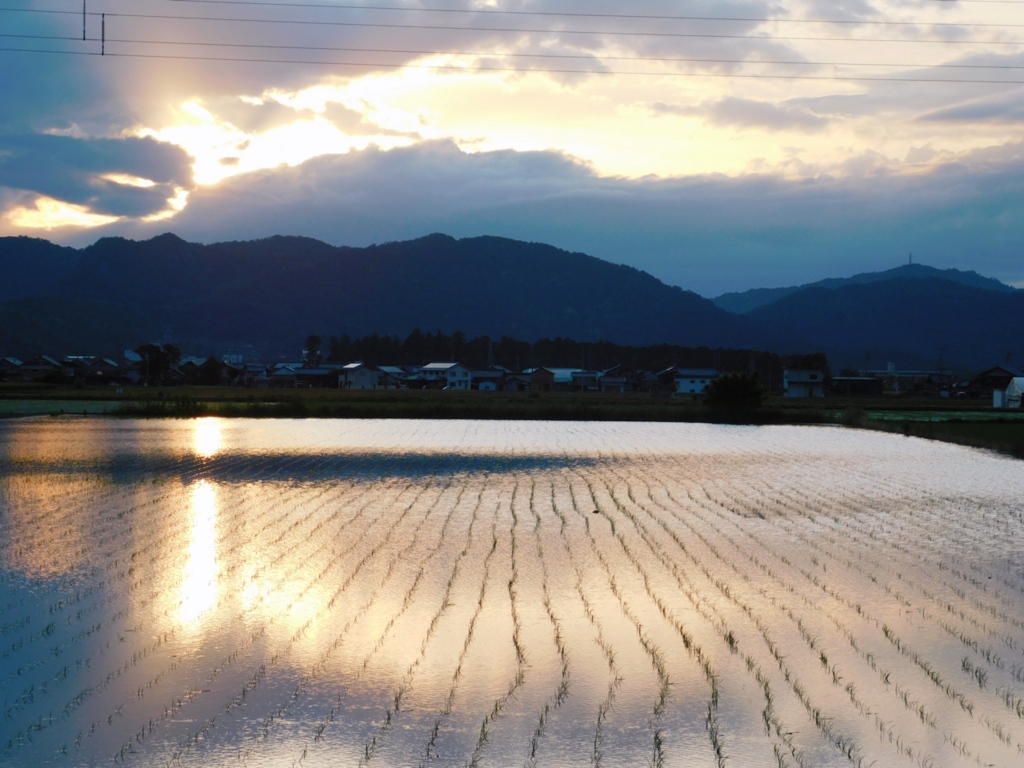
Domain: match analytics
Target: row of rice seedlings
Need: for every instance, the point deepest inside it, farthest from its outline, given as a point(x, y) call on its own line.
point(813, 578)
point(929, 550)
point(449, 703)
point(375, 741)
point(974, 534)
point(843, 742)
point(773, 726)
point(519, 678)
point(994, 726)
point(351, 619)
point(193, 694)
point(369, 557)
point(708, 610)
point(562, 691)
point(106, 586)
point(902, 694)
point(651, 649)
point(986, 653)
point(239, 543)
point(615, 678)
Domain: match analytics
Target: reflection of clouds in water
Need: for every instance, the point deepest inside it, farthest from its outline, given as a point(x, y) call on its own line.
point(438, 607)
point(45, 526)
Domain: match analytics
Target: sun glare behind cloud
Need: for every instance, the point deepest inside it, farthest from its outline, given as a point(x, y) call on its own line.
point(55, 214)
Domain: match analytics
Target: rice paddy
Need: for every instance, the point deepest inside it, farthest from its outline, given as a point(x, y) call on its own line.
point(452, 593)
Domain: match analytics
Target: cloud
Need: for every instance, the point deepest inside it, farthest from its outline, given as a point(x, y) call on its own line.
point(740, 113)
point(809, 181)
point(118, 177)
point(710, 233)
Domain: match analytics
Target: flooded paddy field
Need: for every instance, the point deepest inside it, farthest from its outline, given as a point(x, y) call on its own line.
point(444, 593)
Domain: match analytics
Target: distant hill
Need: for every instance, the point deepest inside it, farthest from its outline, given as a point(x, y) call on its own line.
point(748, 301)
point(117, 294)
point(274, 292)
point(913, 323)
point(32, 268)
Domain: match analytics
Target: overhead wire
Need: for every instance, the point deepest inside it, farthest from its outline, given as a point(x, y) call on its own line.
point(492, 54)
point(516, 55)
point(518, 30)
point(545, 30)
point(591, 15)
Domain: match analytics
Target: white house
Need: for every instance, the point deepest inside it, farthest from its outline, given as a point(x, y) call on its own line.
point(694, 380)
point(358, 376)
point(798, 382)
point(1012, 396)
point(448, 375)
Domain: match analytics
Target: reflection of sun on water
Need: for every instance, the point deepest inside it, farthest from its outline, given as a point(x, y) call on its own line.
point(206, 441)
point(199, 587)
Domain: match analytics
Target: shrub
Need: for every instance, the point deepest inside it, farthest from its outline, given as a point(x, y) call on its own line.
point(735, 392)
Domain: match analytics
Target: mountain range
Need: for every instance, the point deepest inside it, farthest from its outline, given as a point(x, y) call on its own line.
point(117, 294)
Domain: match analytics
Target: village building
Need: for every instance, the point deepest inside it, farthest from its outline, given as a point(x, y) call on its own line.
point(446, 376)
point(358, 375)
point(694, 381)
point(1011, 396)
point(10, 369)
point(803, 382)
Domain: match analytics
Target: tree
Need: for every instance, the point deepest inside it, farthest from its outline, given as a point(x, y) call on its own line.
point(157, 361)
point(735, 392)
point(311, 352)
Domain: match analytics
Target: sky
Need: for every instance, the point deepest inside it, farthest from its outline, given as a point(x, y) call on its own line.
point(718, 145)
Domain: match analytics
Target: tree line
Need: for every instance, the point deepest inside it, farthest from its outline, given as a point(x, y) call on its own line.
point(481, 352)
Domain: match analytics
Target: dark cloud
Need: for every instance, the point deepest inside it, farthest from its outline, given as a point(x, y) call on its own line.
point(746, 113)
point(72, 170)
point(710, 234)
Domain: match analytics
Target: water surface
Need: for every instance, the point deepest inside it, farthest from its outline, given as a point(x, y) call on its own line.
point(339, 593)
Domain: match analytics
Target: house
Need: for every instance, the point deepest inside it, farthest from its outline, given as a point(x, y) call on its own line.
point(10, 368)
point(446, 376)
point(42, 368)
point(693, 381)
point(283, 374)
point(104, 370)
point(392, 377)
point(515, 382)
point(358, 375)
point(561, 379)
point(489, 380)
point(801, 382)
point(616, 379)
point(1014, 391)
point(987, 382)
point(541, 379)
point(584, 381)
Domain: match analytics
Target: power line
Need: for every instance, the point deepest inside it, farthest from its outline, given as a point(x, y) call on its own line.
point(498, 70)
point(493, 54)
point(583, 15)
point(535, 30)
point(541, 30)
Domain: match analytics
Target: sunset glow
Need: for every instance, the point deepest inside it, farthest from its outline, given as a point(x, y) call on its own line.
point(643, 105)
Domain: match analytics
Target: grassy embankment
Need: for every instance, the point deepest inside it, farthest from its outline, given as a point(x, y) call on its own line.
point(967, 423)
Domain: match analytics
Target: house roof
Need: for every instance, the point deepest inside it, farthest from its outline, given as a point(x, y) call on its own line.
point(439, 366)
